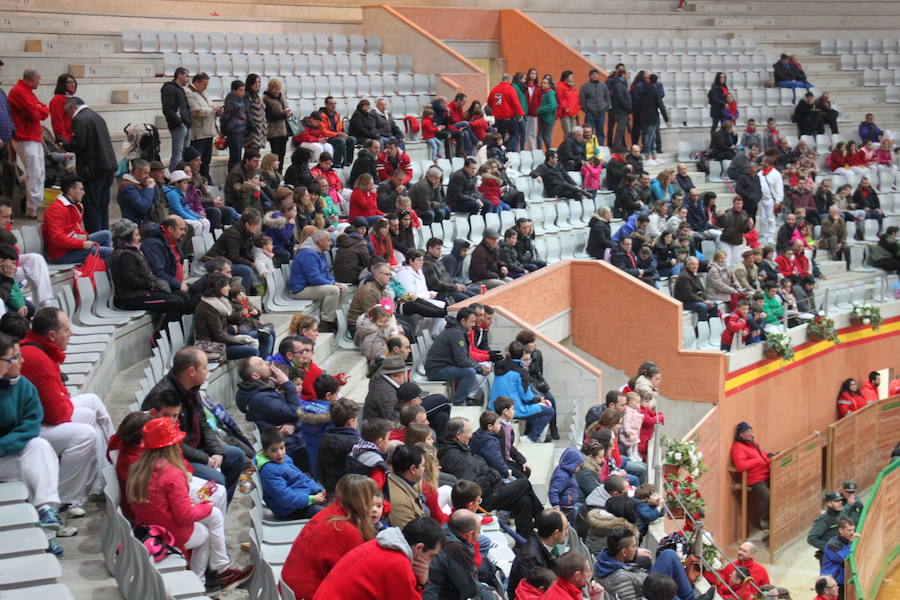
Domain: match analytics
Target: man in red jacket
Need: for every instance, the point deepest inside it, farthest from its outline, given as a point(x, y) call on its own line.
point(745, 554)
point(394, 565)
point(748, 456)
point(27, 113)
point(77, 427)
point(393, 159)
point(574, 573)
point(65, 237)
point(870, 389)
point(507, 111)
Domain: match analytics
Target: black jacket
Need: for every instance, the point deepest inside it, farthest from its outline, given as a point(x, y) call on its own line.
point(331, 461)
point(782, 72)
point(450, 347)
point(532, 554)
point(748, 187)
point(689, 288)
point(571, 154)
point(365, 162)
point(462, 188)
point(159, 256)
point(363, 126)
point(722, 145)
point(636, 162)
point(552, 177)
point(235, 244)
point(298, 173)
point(599, 238)
point(626, 202)
point(94, 154)
point(620, 98)
point(351, 258)
point(615, 170)
point(131, 274)
point(436, 276)
point(452, 574)
point(716, 99)
point(425, 196)
point(625, 261)
point(463, 463)
point(453, 262)
point(510, 258)
point(175, 105)
point(650, 105)
point(381, 400)
point(385, 127)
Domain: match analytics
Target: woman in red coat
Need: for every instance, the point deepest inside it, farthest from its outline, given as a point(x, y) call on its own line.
point(364, 199)
point(567, 98)
point(849, 399)
point(748, 456)
point(331, 534)
point(157, 489)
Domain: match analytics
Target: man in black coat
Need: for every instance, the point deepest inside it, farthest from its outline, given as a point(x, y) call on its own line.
point(95, 162)
point(457, 458)
point(620, 100)
point(748, 187)
point(177, 112)
point(366, 160)
point(552, 529)
point(571, 150)
point(462, 192)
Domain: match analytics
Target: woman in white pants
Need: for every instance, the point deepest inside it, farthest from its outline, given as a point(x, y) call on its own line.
point(159, 494)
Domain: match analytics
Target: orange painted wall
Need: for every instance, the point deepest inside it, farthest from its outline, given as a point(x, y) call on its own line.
point(455, 23)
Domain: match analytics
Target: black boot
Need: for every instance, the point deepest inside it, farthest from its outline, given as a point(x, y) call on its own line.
point(554, 431)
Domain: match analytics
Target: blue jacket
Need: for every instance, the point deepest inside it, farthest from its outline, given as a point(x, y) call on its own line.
point(696, 216)
point(268, 407)
point(659, 193)
point(21, 415)
point(869, 133)
point(7, 128)
point(511, 380)
point(135, 200)
point(487, 446)
point(310, 268)
point(285, 488)
point(646, 515)
point(836, 552)
point(159, 256)
point(626, 229)
point(175, 199)
point(280, 230)
point(563, 486)
point(312, 431)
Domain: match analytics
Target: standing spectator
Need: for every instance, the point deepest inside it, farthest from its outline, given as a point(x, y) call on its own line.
point(651, 105)
point(135, 285)
point(836, 552)
point(546, 113)
point(255, 136)
point(95, 162)
point(448, 358)
point(735, 223)
point(64, 234)
point(594, 100)
point(567, 97)
point(203, 121)
point(620, 110)
point(333, 128)
point(716, 98)
point(177, 113)
point(311, 279)
point(503, 101)
point(868, 130)
point(533, 94)
point(825, 526)
point(233, 123)
point(236, 244)
point(27, 113)
point(7, 129)
point(66, 86)
point(689, 291)
point(772, 188)
point(277, 115)
point(462, 195)
point(747, 455)
point(850, 398)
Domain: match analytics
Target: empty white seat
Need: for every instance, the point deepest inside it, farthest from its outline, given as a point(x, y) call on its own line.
point(279, 43)
point(131, 41)
point(294, 43)
point(149, 41)
point(357, 44)
point(217, 42)
point(309, 43)
point(234, 44)
point(329, 64)
point(301, 64)
point(321, 43)
point(285, 65)
point(377, 84)
point(265, 43)
point(271, 65)
point(858, 46)
point(388, 64)
point(316, 65)
point(342, 64)
point(214, 92)
point(166, 41)
point(184, 41)
point(224, 64)
point(240, 65)
point(373, 44)
point(255, 65)
point(249, 43)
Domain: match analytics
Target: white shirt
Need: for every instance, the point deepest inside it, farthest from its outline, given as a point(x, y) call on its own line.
point(772, 185)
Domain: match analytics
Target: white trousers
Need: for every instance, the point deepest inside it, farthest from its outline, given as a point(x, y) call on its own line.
point(531, 128)
point(33, 267)
point(207, 544)
point(219, 498)
point(765, 220)
point(318, 149)
point(38, 468)
point(89, 409)
point(732, 253)
point(32, 157)
point(201, 227)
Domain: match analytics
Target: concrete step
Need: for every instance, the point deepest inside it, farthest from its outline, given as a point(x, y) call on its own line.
point(73, 47)
point(115, 69)
point(541, 458)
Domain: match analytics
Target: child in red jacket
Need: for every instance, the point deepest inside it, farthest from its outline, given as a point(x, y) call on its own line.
point(429, 133)
point(651, 418)
point(736, 323)
point(478, 124)
point(490, 188)
point(536, 584)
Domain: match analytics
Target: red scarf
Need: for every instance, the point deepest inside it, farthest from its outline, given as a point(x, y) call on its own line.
point(767, 170)
point(179, 266)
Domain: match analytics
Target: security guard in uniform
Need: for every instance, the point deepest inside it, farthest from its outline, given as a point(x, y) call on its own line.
point(852, 505)
point(825, 526)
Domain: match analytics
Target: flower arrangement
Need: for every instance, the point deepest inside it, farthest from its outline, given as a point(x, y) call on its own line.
point(683, 496)
point(711, 555)
point(778, 345)
point(867, 314)
point(684, 454)
point(822, 328)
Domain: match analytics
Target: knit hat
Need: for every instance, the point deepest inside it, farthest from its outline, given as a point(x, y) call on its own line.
point(122, 228)
point(359, 222)
point(189, 154)
point(177, 176)
point(393, 364)
point(407, 392)
point(160, 433)
point(743, 426)
point(490, 232)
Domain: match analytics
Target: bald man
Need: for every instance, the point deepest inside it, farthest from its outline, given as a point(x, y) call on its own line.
point(453, 573)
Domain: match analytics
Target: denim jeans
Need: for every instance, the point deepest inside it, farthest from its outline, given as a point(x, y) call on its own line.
point(434, 147)
point(703, 310)
point(635, 468)
point(245, 273)
point(669, 564)
point(180, 137)
point(520, 133)
point(465, 376)
point(205, 148)
point(509, 128)
point(539, 421)
point(76, 257)
point(650, 132)
point(235, 148)
point(793, 85)
point(597, 122)
point(232, 466)
point(343, 150)
point(239, 351)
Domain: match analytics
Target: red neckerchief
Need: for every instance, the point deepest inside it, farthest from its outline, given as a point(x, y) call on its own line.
point(767, 170)
point(179, 266)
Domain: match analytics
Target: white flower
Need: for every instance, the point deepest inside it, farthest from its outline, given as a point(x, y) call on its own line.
point(716, 564)
point(678, 456)
point(866, 321)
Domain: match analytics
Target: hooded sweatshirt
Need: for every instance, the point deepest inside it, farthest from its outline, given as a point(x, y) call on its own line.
point(378, 569)
point(453, 262)
point(512, 380)
point(285, 487)
point(267, 407)
point(563, 486)
point(310, 267)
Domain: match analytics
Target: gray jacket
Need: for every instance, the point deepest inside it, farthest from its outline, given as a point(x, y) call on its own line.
point(594, 97)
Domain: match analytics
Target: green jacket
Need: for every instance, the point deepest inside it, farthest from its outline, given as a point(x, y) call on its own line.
point(824, 528)
point(20, 415)
point(547, 110)
point(773, 309)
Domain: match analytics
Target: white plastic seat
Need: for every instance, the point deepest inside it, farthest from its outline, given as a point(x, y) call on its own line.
point(322, 43)
point(301, 64)
point(404, 63)
point(131, 41)
point(249, 43)
point(279, 43)
point(285, 64)
point(342, 64)
point(316, 65)
point(377, 85)
point(255, 65)
point(184, 41)
point(357, 44)
point(373, 44)
point(149, 41)
point(388, 64)
point(234, 44)
point(217, 42)
point(294, 43)
point(265, 43)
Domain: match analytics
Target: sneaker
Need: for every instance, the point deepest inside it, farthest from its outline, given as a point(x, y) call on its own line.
point(231, 577)
point(76, 511)
point(49, 519)
point(54, 548)
point(67, 531)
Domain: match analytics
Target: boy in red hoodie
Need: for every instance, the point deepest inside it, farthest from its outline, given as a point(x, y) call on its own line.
point(536, 584)
point(736, 323)
point(429, 133)
point(574, 574)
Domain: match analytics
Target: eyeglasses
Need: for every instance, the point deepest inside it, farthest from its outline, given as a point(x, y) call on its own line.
point(12, 359)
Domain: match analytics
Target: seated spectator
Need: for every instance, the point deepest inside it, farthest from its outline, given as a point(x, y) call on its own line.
point(486, 268)
point(689, 291)
point(336, 443)
point(453, 572)
point(370, 293)
point(342, 526)
point(438, 279)
point(158, 492)
point(736, 324)
point(289, 492)
point(865, 198)
point(458, 459)
point(373, 330)
point(650, 506)
point(382, 242)
point(512, 380)
point(211, 322)
point(886, 253)
point(837, 550)
point(64, 234)
point(269, 399)
point(236, 244)
point(572, 151)
point(367, 457)
point(390, 190)
point(773, 304)
point(563, 492)
point(404, 485)
point(746, 552)
point(527, 253)
point(381, 400)
point(427, 196)
point(574, 570)
point(135, 285)
point(552, 529)
point(724, 141)
point(789, 74)
point(311, 279)
point(509, 255)
point(312, 138)
point(393, 565)
point(366, 161)
point(354, 253)
point(364, 200)
point(139, 197)
point(325, 168)
point(623, 258)
point(162, 247)
point(721, 283)
point(314, 414)
point(833, 235)
point(424, 302)
point(448, 358)
point(391, 160)
point(385, 125)
point(869, 131)
point(485, 443)
point(557, 181)
point(462, 195)
point(280, 225)
point(747, 455)
point(453, 262)
point(176, 197)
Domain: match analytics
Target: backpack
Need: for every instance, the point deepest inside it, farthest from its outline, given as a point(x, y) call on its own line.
point(141, 141)
point(702, 160)
point(158, 541)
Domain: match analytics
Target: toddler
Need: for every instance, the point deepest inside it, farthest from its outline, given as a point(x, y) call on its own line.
point(263, 256)
point(649, 505)
point(490, 188)
point(591, 170)
point(631, 424)
point(288, 492)
point(730, 112)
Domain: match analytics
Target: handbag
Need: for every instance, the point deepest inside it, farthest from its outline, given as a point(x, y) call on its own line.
point(293, 126)
point(215, 351)
point(158, 541)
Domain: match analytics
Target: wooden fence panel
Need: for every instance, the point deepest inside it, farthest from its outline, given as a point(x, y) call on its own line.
point(861, 443)
point(796, 490)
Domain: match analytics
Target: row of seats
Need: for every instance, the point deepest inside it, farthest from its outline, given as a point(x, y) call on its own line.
point(656, 45)
point(860, 46)
point(321, 86)
point(756, 97)
point(879, 62)
point(27, 571)
point(289, 64)
point(148, 40)
point(684, 63)
point(883, 78)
